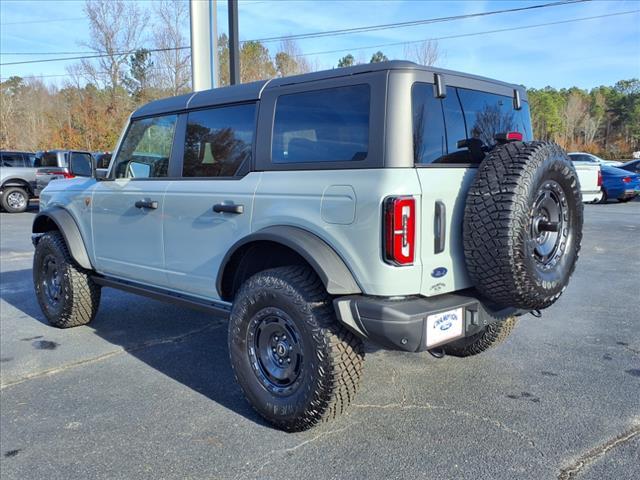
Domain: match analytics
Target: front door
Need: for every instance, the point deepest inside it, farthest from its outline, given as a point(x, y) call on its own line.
point(209, 208)
point(127, 209)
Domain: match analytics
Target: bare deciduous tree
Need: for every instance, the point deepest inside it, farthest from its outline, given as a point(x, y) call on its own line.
point(289, 59)
point(174, 65)
point(115, 30)
point(424, 53)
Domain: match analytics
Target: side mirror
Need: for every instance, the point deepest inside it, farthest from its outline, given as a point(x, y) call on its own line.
point(81, 164)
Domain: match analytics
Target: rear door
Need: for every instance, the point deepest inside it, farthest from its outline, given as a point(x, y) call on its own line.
point(451, 137)
point(127, 209)
point(210, 206)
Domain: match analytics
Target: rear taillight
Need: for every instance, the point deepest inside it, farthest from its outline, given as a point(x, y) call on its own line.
point(508, 137)
point(599, 177)
point(399, 230)
point(626, 179)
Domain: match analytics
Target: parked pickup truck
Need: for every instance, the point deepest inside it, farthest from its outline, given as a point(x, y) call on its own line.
point(590, 177)
point(17, 180)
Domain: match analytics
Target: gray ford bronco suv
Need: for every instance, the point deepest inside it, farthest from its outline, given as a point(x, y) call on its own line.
point(401, 204)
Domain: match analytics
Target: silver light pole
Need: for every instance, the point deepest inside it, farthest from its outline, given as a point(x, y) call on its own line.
point(204, 44)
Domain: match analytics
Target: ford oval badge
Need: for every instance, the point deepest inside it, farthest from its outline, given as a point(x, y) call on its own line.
point(439, 272)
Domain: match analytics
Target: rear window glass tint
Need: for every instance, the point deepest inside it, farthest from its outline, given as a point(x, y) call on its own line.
point(330, 125)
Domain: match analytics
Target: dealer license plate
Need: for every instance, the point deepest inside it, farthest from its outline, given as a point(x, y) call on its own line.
point(445, 326)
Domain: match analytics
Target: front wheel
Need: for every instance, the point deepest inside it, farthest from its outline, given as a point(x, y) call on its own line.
point(15, 200)
point(66, 293)
point(296, 365)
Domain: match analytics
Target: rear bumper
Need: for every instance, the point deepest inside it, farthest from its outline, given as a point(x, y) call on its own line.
point(401, 324)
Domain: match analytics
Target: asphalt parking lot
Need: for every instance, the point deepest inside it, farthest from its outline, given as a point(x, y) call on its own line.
point(146, 391)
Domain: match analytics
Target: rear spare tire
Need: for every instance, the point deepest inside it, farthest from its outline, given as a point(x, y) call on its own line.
point(523, 224)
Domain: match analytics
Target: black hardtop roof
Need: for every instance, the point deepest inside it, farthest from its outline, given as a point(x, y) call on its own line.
point(248, 92)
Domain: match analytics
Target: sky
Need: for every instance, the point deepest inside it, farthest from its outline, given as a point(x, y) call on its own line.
point(586, 53)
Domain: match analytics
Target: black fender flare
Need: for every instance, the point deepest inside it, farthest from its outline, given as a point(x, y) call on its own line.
point(332, 270)
point(68, 227)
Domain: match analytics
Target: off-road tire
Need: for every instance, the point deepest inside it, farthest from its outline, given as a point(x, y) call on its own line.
point(499, 248)
point(494, 334)
point(6, 204)
point(333, 360)
point(79, 295)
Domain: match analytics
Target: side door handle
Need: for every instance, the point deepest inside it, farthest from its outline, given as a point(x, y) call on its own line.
point(150, 204)
point(228, 208)
point(439, 227)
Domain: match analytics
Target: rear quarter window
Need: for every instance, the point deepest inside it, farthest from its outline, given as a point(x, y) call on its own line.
point(329, 125)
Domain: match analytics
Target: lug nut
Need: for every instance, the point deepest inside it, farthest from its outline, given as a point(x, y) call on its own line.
point(276, 338)
point(288, 360)
point(280, 360)
point(284, 337)
point(273, 349)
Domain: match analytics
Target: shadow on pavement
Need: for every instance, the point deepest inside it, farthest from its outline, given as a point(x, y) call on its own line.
point(187, 346)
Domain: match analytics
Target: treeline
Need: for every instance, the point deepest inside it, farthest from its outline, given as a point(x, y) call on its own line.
point(604, 120)
point(90, 108)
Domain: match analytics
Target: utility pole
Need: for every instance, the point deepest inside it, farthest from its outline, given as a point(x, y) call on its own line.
point(204, 44)
point(234, 43)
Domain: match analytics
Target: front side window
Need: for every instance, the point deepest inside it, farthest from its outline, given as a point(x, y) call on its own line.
point(330, 125)
point(146, 148)
point(218, 141)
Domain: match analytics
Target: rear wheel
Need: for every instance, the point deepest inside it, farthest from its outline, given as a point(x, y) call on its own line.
point(296, 365)
point(66, 293)
point(625, 200)
point(15, 199)
point(494, 334)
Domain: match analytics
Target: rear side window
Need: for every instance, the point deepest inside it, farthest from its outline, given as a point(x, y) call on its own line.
point(146, 148)
point(218, 140)
point(330, 125)
point(12, 160)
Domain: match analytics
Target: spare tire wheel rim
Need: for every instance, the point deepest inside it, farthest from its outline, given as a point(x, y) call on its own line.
point(275, 348)
point(549, 225)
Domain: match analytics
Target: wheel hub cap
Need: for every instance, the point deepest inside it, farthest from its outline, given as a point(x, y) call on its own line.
point(275, 349)
point(51, 280)
point(16, 200)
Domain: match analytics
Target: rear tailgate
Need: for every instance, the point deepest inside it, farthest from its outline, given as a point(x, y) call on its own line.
point(588, 177)
point(444, 191)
